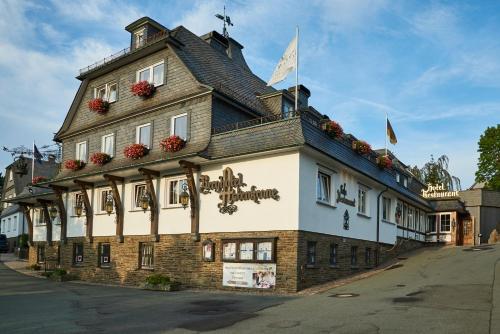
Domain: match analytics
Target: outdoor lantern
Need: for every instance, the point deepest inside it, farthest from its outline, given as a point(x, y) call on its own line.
point(109, 204)
point(145, 202)
point(78, 208)
point(453, 223)
point(53, 212)
point(184, 196)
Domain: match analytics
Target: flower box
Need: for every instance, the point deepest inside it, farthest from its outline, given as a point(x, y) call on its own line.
point(361, 147)
point(384, 161)
point(38, 179)
point(333, 129)
point(143, 89)
point(100, 158)
point(98, 105)
point(135, 151)
point(74, 165)
point(172, 144)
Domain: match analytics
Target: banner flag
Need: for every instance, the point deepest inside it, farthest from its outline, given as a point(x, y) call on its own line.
point(286, 64)
point(391, 134)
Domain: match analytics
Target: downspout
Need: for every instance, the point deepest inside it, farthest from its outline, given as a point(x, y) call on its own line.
point(378, 226)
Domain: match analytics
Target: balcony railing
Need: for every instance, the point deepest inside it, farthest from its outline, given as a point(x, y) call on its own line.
point(256, 121)
point(122, 53)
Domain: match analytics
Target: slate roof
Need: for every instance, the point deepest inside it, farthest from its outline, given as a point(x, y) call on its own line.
point(10, 210)
point(448, 205)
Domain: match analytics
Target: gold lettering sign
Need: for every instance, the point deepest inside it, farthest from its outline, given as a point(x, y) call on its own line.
point(229, 189)
point(438, 191)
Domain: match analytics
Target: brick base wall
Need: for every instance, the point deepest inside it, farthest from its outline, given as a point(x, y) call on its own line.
point(180, 258)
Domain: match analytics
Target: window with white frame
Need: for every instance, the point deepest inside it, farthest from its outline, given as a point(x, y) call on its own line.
point(405, 182)
point(78, 199)
point(103, 198)
point(153, 74)
point(139, 191)
point(445, 225)
point(143, 134)
point(107, 92)
point(139, 37)
point(411, 218)
point(178, 126)
point(323, 188)
point(174, 189)
point(41, 217)
point(362, 200)
point(14, 227)
point(81, 151)
point(108, 144)
point(386, 208)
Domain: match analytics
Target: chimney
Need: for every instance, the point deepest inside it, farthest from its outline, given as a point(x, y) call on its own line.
point(228, 46)
point(304, 95)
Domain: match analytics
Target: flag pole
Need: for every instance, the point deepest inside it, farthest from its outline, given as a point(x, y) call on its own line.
point(297, 69)
point(33, 163)
point(386, 133)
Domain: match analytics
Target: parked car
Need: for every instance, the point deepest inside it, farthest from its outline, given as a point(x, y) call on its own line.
point(4, 246)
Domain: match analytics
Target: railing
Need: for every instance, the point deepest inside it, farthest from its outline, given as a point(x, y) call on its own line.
point(123, 53)
point(255, 122)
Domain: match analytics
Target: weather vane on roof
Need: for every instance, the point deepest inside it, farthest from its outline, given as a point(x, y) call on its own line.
point(227, 20)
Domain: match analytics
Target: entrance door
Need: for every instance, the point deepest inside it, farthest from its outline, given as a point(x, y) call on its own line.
point(468, 232)
point(459, 236)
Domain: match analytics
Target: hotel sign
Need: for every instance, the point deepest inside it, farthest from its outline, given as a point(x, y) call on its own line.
point(229, 188)
point(438, 191)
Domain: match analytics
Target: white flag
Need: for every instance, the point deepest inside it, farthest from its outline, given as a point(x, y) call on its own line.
point(286, 64)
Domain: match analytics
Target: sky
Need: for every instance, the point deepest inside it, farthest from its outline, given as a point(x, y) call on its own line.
point(432, 66)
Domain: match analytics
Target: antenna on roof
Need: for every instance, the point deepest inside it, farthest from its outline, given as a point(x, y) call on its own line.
point(227, 20)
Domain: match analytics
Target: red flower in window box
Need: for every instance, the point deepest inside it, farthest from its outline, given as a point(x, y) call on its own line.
point(98, 105)
point(38, 179)
point(172, 144)
point(74, 165)
point(100, 158)
point(333, 129)
point(135, 151)
point(361, 147)
point(143, 89)
point(384, 161)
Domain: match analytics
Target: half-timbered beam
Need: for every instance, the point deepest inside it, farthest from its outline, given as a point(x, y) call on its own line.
point(48, 221)
point(189, 167)
point(27, 213)
point(112, 179)
point(59, 191)
point(148, 177)
point(88, 209)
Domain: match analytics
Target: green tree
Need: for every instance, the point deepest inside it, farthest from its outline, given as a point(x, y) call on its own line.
point(488, 166)
point(436, 172)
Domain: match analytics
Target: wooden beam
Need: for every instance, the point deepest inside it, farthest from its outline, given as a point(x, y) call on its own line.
point(48, 222)
point(148, 177)
point(27, 213)
point(118, 204)
point(59, 191)
point(145, 171)
point(56, 187)
point(88, 209)
point(189, 167)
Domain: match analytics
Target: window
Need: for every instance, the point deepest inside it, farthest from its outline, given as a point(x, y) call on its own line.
point(323, 188)
point(139, 191)
point(143, 134)
point(40, 254)
point(153, 74)
point(14, 224)
point(248, 250)
point(78, 199)
point(146, 255)
point(431, 221)
point(405, 215)
point(174, 188)
point(8, 225)
point(445, 223)
point(77, 254)
point(81, 151)
point(405, 182)
point(333, 254)
point(104, 198)
point(368, 256)
point(398, 177)
point(108, 144)
point(386, 208)
point(362, 193)
point(311, 253)
point(354, 255)
point(40, 220)
point(411, 218)
point(139, 38)
point(104, 255)
point(107, 92)
point(178, 126)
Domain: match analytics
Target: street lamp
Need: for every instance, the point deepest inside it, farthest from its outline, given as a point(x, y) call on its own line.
point(184, 196)
point(144, 202)
point(53, 212)
point(109, 204)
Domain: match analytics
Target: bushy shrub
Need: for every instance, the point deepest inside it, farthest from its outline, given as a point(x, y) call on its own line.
point(157, 279)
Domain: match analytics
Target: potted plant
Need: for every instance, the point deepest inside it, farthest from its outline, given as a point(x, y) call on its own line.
point(161, 283)
point(383, 161)
point(38, 179)
point(98, 105)
point(100, 158)
point(74, 165)
point(143, 89)
point(172, 144)
point(361, 146)
point(135, 151)
point(332, 129)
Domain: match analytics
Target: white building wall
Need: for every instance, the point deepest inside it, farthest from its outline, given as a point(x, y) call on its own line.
point(103, 224)
point(173, 219)
point(76, 225)
point(136, 221)
point(39, 229)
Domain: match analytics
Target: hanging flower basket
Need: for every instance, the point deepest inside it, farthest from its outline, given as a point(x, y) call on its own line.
point(384, 161)
point(143, 89)
point(38, 179)
point(135, 151)
point(361, 147)
point(74, 165)
point(100, 158)
point(99, 106)
point(333, 129)
point(172, 144)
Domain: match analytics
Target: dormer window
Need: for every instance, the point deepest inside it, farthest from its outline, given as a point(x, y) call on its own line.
point(107, 92)
point(153, 74)
point(140, 37)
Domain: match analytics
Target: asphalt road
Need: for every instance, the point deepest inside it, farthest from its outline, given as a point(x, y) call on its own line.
point(450, 290)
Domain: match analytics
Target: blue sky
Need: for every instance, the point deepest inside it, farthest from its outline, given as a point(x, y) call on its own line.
point(433, 66)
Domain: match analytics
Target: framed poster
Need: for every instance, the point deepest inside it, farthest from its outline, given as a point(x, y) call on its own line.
point(208, 250)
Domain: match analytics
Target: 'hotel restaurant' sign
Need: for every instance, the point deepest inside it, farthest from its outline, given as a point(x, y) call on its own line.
point(438, 191)
point(229, 189)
